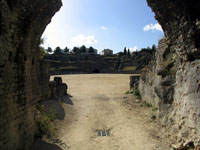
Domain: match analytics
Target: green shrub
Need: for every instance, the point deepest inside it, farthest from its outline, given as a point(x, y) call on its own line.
point(146, 104)
point(127, 92)
point(136, 92)
point(45, 119)
point(155, 109)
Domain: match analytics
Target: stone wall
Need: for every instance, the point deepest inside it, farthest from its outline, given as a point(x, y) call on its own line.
point(22, 23)
point(173, 83)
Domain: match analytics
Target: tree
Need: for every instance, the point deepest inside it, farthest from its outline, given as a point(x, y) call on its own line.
point(66, 50)
point(42, 41)
point(42, 50)
point(49, 50)
point(57, 51)
point(125, 51)
point(76, 50)
point(153, 47)
point(129, 54)
point(91, 50)
point(120, 54)
point(83, 49)
point(148, 48)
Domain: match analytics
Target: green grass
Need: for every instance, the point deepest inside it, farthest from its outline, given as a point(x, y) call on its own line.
point(68, 68)
point(129, 68)
point(63, 68)
point(146, 104)
point(52, 69)
point(127, 92)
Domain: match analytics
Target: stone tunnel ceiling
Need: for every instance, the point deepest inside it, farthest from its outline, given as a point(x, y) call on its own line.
point(22, 24)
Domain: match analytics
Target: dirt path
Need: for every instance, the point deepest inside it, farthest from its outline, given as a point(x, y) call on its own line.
point(99, 103)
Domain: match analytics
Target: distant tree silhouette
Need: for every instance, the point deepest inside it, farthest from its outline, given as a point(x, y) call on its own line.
point(149, 49)
point(83, 49)
point(129, 54)
point(91, 50)
point(57, 50)
point(125, 52)
point(120, 54)
point(66, 49)
point(49, 50)
point(153, 47)
point(76, 50)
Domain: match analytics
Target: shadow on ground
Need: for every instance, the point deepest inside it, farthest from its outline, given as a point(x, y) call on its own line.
point(42, 145)
point(54, 106)
point(67, 99)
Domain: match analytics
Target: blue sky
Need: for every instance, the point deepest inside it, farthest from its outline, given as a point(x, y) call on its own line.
point(112, 24)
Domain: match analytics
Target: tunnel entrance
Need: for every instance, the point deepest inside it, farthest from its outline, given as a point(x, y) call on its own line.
point(95, 71)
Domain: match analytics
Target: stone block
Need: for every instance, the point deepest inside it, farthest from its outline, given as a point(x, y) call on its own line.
point(58, 80)
point(133, 80)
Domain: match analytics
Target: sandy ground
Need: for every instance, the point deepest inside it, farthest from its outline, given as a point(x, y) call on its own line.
point(99, 102)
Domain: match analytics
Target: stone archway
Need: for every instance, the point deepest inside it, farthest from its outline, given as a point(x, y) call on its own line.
point(22, 23)
point(95, 71)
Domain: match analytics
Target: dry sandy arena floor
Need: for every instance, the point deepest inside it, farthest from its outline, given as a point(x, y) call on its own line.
point(98, 102)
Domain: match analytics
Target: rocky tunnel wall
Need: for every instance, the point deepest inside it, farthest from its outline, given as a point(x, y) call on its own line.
point(175, 73)
point(22, 24)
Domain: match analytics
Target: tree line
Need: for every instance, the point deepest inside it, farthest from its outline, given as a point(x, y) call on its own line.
point(127, 52)
point(75, 50)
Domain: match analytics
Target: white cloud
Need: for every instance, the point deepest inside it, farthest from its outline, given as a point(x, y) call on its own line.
point(134, 49)
point(83, 40)
point(153, 27)
point(104, 28)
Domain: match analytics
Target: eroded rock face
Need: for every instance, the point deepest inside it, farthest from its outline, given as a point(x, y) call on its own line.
point(173, 83)
point(22, 23)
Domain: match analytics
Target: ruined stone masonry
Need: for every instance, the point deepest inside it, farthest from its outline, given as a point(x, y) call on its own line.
point(173, 83)
point(22, 24)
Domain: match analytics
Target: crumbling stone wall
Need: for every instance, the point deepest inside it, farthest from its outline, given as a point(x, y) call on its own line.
point(174, 79)
point(22, 23)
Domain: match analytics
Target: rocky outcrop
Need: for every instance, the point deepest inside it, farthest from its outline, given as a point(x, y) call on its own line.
point(22, 23)
point(173, 83)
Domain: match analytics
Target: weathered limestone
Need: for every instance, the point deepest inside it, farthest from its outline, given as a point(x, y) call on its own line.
point(172, 84)
point(57, 89)
point(22, 23)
